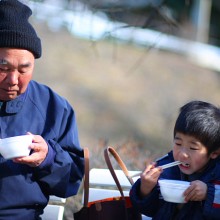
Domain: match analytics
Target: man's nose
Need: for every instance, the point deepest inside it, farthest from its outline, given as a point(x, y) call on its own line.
point(12, 77)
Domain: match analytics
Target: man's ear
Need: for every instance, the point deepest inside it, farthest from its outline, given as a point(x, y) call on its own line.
point(215, 154)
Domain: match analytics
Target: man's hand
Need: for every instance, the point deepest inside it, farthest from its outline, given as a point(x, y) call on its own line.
point(39, 149)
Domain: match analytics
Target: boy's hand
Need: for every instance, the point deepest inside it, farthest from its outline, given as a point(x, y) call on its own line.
point(197, 191)
point(149, 179)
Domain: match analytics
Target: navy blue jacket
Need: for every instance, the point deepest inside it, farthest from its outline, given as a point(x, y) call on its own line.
point(154, 206)
point(24, 190)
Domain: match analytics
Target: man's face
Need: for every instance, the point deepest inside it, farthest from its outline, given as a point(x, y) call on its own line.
point(16, 69)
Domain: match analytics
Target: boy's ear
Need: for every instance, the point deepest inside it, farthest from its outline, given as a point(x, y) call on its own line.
point(215, 154)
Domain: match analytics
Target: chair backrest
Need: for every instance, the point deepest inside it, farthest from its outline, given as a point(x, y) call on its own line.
point(103, 178)
point(55, 209)
point(98, 194)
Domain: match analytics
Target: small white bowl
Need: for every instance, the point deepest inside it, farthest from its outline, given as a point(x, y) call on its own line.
point(17, 146)
point(172, 190)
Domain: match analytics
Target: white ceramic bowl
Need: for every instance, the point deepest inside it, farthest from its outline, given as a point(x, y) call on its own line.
point(17, 146)
point(172, 190)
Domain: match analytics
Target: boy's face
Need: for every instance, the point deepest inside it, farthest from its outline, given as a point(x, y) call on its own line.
point(191, 152)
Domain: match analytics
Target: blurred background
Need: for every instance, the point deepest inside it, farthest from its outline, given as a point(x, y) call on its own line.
point(127, 67)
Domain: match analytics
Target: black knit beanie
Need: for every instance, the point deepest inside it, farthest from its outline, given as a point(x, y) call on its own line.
point(15, 29)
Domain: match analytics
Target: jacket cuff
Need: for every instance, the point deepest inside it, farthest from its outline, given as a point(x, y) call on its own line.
point(49, 158)
point(135, 194)
point(208, 203)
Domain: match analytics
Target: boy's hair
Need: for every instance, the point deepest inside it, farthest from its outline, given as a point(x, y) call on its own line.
point(202, 121)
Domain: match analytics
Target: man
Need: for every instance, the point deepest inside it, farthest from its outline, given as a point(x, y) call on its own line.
point(55, 165)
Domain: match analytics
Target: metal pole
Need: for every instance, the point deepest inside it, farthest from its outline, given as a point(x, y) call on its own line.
point(203, 20)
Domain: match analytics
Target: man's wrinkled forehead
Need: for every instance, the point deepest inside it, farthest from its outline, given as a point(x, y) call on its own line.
point(3, 61)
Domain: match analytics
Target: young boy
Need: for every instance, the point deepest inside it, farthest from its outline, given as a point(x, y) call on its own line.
point(197, 146)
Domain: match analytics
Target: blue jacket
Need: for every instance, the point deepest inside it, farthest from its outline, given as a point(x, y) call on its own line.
point(154, 206)
point(24, 190)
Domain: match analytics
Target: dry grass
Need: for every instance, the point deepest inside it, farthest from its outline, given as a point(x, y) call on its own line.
point(123, 95)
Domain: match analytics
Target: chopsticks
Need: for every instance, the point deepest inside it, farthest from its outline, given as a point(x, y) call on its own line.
point(165, 166)
point(170, 164)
